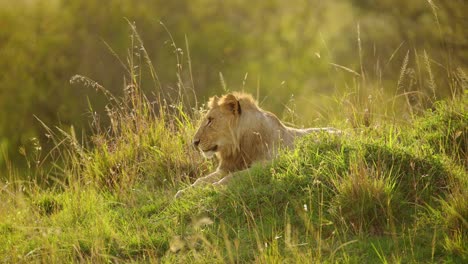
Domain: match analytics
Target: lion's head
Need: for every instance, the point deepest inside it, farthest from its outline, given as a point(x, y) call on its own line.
point(217, 131)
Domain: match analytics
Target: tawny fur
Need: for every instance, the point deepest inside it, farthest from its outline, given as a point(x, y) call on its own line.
point(240, 133)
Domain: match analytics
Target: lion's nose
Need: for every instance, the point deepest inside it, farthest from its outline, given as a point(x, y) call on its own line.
point(196, 142)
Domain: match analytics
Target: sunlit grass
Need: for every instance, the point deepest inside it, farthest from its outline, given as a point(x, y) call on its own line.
point(385, 190)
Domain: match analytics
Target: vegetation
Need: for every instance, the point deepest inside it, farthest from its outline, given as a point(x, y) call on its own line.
point(393, 187)
point(297, 53)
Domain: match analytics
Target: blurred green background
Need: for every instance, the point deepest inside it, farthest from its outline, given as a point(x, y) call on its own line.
point(300, 57)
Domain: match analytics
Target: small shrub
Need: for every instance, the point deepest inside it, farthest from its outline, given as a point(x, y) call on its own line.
point(48, 205)
point(457, 245)
point(455, 217)
point(455, 210)
point(365, 201)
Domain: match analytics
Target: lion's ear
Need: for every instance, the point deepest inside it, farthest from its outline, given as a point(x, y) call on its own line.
point(231, 103)
point(213, 101)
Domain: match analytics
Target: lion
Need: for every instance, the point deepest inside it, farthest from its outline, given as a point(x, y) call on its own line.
point(239, 133)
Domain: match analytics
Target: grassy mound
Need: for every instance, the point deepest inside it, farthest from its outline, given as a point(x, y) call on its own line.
point(393, 194)
point(334, 192)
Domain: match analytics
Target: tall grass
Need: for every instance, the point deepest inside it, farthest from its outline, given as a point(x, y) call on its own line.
point(385, 190)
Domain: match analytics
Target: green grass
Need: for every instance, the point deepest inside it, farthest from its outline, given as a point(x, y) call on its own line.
point(381, 192)
point(395, 194)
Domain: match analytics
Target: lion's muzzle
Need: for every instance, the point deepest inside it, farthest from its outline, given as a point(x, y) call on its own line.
point(209, 152)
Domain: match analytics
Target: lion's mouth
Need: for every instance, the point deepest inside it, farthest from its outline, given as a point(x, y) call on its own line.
point(213, 149)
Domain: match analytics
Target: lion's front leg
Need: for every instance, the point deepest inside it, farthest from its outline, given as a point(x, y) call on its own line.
point(210, 178)
point(224, 180)
point(228, 178)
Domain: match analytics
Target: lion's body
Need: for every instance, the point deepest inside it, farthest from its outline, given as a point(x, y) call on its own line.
point(240, 133)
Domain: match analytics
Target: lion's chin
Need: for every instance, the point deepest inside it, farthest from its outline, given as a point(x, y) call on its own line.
point(208, 154)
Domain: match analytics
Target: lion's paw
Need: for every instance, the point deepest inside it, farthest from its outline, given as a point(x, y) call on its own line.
point(221, 182)
point(180, 193)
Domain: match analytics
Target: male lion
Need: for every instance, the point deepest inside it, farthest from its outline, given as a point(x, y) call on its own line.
point(240, 133)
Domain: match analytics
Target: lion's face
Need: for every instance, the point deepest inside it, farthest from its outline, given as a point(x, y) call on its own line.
point(216, 131)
